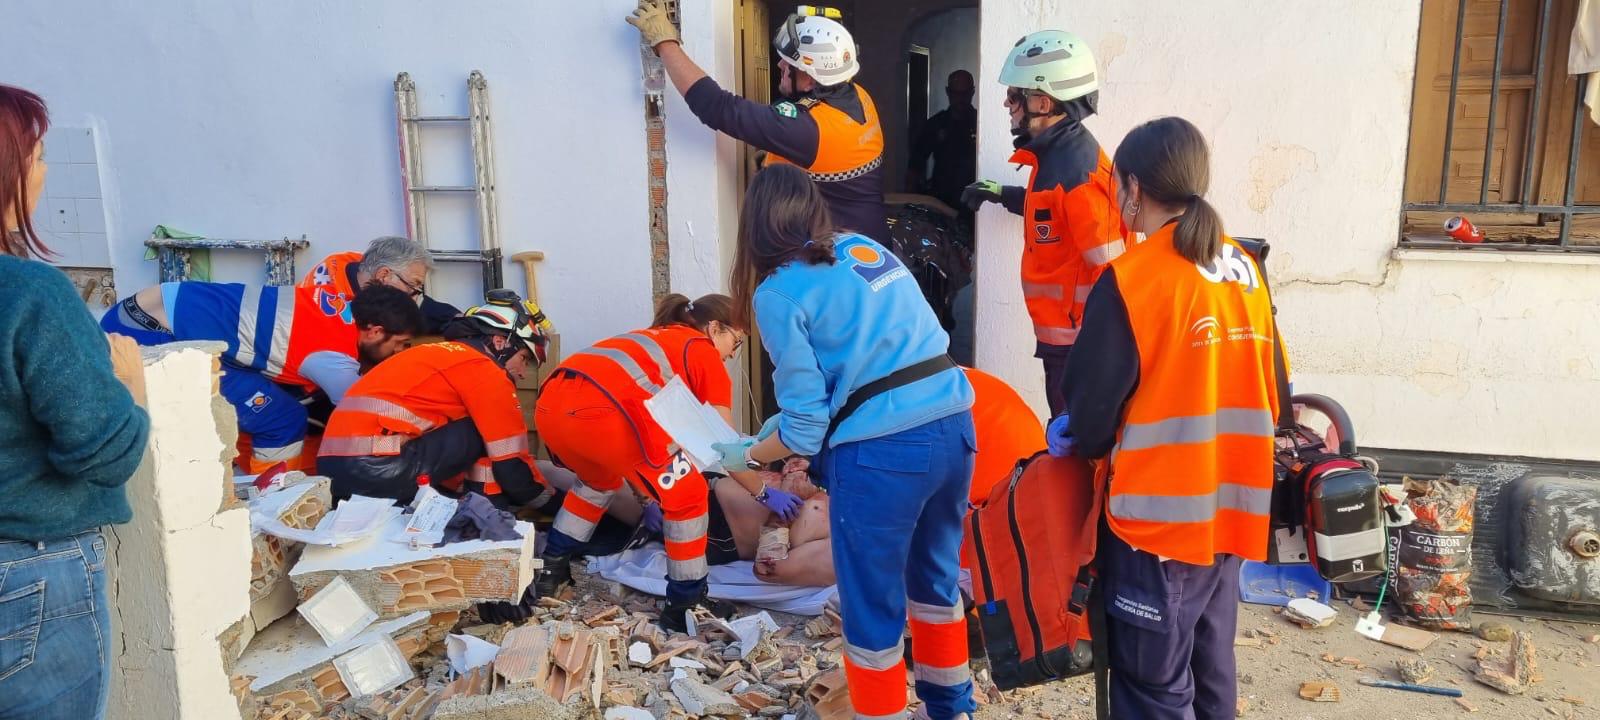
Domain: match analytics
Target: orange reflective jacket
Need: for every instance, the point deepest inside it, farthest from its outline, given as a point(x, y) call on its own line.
point(1072, 227)
point(1008, 431)
point(846, 149)
point(1192, 468)
point(333, 273)
point(421, 389)
point(632, 367)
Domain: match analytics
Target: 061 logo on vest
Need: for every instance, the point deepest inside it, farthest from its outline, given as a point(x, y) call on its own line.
point(678, 470)
point(1231, 265)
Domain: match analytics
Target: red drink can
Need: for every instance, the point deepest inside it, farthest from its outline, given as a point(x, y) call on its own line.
point(1462, 230)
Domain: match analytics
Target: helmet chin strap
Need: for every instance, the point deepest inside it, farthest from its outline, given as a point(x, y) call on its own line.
point(1023, 134)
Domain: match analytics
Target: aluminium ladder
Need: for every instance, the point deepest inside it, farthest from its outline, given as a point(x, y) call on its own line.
point(417, 191)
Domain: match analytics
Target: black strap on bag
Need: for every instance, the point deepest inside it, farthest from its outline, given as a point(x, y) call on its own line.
point(1258, 249)
point(899, 378)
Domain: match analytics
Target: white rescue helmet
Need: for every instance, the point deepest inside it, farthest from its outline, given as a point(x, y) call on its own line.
point(1054, 62)
point(817, 46)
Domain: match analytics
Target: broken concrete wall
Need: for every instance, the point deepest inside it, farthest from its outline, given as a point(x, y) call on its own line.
point(180, 571)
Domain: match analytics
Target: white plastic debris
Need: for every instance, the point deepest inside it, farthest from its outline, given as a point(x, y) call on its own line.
point(337, 612)
point(750, 629)
point(467, 652)
point(683, 662)
point(640, 654)
point(373, 668)
point(1310, 612)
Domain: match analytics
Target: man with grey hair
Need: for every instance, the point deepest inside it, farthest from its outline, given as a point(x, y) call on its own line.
point(397, 262)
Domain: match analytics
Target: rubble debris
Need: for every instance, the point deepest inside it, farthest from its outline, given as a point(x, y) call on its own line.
point(1511, 670)
point(1570, 700)
point(1416, 672)
point(289, 660)
point(467, 652)
point(1309, 613)
point(1240, 707)
point(411, 701)
point(515, 704)
point(700, 699)
point(1469, 707)
point(672, 652)
point(1409, 638)
point(1493, 631)
point(640, 654)
point(1319, 692)
point(628, 712)
point(395, 579)
point(828, 697)
point(1353, 662)
point(524, 656)
point(687, 663)
point(1247, 642)
point(1330, 657)
point(1592, 639)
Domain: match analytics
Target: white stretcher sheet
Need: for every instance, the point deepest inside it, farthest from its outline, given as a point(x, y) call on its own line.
point(645, 569)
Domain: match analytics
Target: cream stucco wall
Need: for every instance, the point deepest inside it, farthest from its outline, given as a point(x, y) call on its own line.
point(1308, 133)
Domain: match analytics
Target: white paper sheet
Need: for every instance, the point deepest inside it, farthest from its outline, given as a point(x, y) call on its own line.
point(355, 519)
point(467, 652)
point(692, 424)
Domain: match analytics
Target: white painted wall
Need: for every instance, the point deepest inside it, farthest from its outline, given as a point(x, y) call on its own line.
point(1308, 133)
point(273, 119)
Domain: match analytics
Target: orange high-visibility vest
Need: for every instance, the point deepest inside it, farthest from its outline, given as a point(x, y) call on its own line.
point(846, 149)
point(333, 273)
point(632, 367)
point(1191, 474)
point(1071, 233)
point(423, 388)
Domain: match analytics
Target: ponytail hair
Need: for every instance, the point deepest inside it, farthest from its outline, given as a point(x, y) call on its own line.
point(676, 309)
point(784, 220)
point(1170, 159)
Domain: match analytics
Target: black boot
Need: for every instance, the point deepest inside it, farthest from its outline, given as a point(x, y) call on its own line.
point(674, 617)
point(557, 571)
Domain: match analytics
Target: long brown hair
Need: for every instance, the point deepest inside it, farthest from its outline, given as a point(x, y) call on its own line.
point(784, 219)
point(676, 309)
point(23, 121)
point(1169, 158)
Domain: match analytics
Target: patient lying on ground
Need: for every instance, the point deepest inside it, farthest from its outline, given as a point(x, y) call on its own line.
point(737, 519)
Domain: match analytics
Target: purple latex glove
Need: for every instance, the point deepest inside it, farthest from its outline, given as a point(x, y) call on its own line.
point(651, 518)
point(785, 505)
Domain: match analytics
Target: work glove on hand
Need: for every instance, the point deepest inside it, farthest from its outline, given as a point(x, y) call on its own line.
point(650, 519)
point(731, 455)
point(653, 24)
point(785, 505)
point(768, 428)
point(980, 192)
point(1057, 437)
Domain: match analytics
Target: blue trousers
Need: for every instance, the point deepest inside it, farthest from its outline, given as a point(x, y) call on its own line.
point(896, 509)
point(55, 629)
point(1169, 632)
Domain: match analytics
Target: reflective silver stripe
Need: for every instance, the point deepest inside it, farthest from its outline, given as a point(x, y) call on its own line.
point(507, 446)
point(1189, 429)
point(1041, 290)
point(544, 497)
point(1055, 335)
point(1072, 82)
point(1350, 546)
point(573, 526)
point(248, 304)
point(893, 716)
point(653, 349)
point(1104, 253)
point(685, 530)
point(886, 659)
point(384, 408)
point(841, 70)
point(844, 175)
point(629, 366)
point(282, 324)
point(1192, 508)
point(938, 614)
point(292, 450)
point(362, 445)
point(948, 677)
point(686, 569)
point(481, 473)
point(598, 498)
point(1042, 58)
point(1081, 293)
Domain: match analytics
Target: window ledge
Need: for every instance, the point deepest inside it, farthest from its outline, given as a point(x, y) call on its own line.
point(1498, 256)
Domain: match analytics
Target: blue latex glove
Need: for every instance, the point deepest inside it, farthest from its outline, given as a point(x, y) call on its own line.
point(730, 455)
point(785, 505)
point(768, 428)
point(1057, 437)
point(651, 518)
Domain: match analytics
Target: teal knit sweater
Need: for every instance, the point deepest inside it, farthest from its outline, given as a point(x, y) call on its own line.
point(70, 435)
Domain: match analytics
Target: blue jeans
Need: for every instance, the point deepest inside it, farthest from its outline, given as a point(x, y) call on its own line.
point(55, 623)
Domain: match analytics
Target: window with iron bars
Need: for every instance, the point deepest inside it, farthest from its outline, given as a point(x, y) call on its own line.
point(1500, 135)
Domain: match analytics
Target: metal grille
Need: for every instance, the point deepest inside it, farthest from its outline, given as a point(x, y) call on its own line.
point(1526, 199)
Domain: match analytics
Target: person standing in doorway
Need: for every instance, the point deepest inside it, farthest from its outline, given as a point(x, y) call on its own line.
point(950, 137)
point(825, 124)
point(1173, 379)
point(864, 383)
point(1069, 226)
point(71, 434)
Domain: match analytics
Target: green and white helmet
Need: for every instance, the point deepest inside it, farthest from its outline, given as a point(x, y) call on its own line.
point(1054, 62)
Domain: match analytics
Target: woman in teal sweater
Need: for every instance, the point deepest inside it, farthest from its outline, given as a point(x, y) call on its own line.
point(70, 436)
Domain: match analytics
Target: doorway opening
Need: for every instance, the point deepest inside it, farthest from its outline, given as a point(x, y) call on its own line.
point(908, 50)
